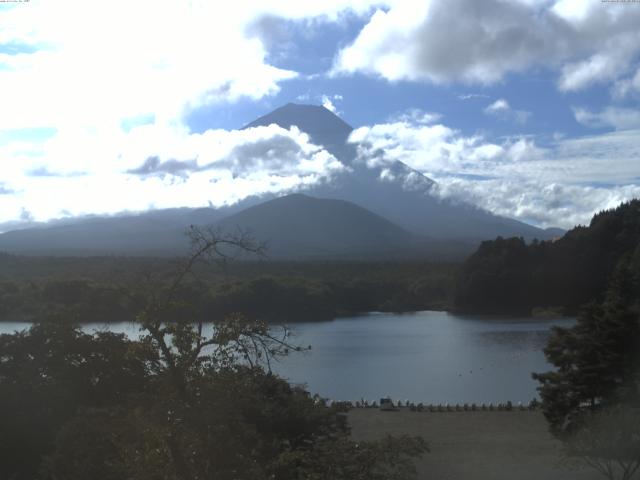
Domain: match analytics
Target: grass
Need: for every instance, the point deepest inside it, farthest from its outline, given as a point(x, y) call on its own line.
point(475, 445)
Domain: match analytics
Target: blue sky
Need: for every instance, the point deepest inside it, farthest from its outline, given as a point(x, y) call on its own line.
point(528, 108)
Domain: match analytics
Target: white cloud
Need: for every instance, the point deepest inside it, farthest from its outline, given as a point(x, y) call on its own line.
point(91, 71)
point(560, 185)
point(537, 201)
point(471, 96)
point(327, 102)
point(598, 68)
point(434, 149)
point(498, 106)
point(415, 115)
point(481, 42)
point(618, 118)
point(105, 63)
point(424, 147)
point(162, 167)
point(627, 86)
point(501, 108)
point(110, 66)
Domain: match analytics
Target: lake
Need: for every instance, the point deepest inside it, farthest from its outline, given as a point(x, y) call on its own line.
point(430, 357)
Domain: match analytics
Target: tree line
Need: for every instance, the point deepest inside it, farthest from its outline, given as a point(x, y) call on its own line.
point(511, 276)
point(275, 292)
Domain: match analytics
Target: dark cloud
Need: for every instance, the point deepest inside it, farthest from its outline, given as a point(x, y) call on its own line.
point(45, 172)
point(26, 216)
point(278, 154)
point(41, 172)
point(482, 41)
point(153, 166)
point(4, 190)
point(16, 48)
point(489, 34)
point(276, 34)
point(271, 30)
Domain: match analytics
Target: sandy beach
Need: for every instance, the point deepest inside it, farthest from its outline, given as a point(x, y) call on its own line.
point(475, 445)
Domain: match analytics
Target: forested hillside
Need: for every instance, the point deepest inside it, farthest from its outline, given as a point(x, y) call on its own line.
point(508, 275)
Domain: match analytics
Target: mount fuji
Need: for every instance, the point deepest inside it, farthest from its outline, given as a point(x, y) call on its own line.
point(395, 190)
point(364, 210)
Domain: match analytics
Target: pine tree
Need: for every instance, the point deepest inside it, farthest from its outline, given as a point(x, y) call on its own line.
point(597, 359)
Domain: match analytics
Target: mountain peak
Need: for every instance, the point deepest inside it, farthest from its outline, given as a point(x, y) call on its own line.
point(323, 126)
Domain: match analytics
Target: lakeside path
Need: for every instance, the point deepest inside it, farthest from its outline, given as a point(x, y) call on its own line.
point(474, 445)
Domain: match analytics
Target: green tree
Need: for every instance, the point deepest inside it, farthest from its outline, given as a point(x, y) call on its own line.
point(47, 374)
point(596, 360)
point(592, 400)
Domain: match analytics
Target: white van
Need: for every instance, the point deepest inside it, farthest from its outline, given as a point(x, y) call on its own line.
point(386, 404)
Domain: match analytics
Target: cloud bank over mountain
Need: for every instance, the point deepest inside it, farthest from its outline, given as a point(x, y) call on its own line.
point(150, 167)
point(97, 123)
point(560, 184)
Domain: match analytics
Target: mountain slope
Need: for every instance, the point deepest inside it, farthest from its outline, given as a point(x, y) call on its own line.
point(99, 236)
point(393, 189)
point(301, 226)
point(293, 227)
point(323, 127)
point(160, 232)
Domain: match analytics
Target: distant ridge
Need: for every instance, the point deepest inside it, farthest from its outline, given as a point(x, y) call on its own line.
point(294, 226)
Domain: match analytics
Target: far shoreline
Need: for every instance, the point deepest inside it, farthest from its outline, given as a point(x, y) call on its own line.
point(515, 316)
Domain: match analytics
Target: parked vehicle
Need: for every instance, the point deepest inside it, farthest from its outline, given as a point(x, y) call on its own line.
point(387, 404)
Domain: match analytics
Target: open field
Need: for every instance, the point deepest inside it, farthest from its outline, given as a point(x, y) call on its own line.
point(474, 445)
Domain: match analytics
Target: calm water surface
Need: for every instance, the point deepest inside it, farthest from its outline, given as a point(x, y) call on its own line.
point(428, 356)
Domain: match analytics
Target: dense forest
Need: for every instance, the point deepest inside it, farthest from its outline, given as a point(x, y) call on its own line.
point(510, 276)
point(105, 289)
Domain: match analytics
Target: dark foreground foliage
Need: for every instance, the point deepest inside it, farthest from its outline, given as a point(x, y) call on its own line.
point(185, 401)
point(78, 406)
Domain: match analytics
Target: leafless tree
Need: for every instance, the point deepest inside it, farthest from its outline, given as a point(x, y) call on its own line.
point(190, 343)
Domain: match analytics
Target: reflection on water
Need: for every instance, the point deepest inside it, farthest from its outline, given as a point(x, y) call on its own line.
point(428, 357)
